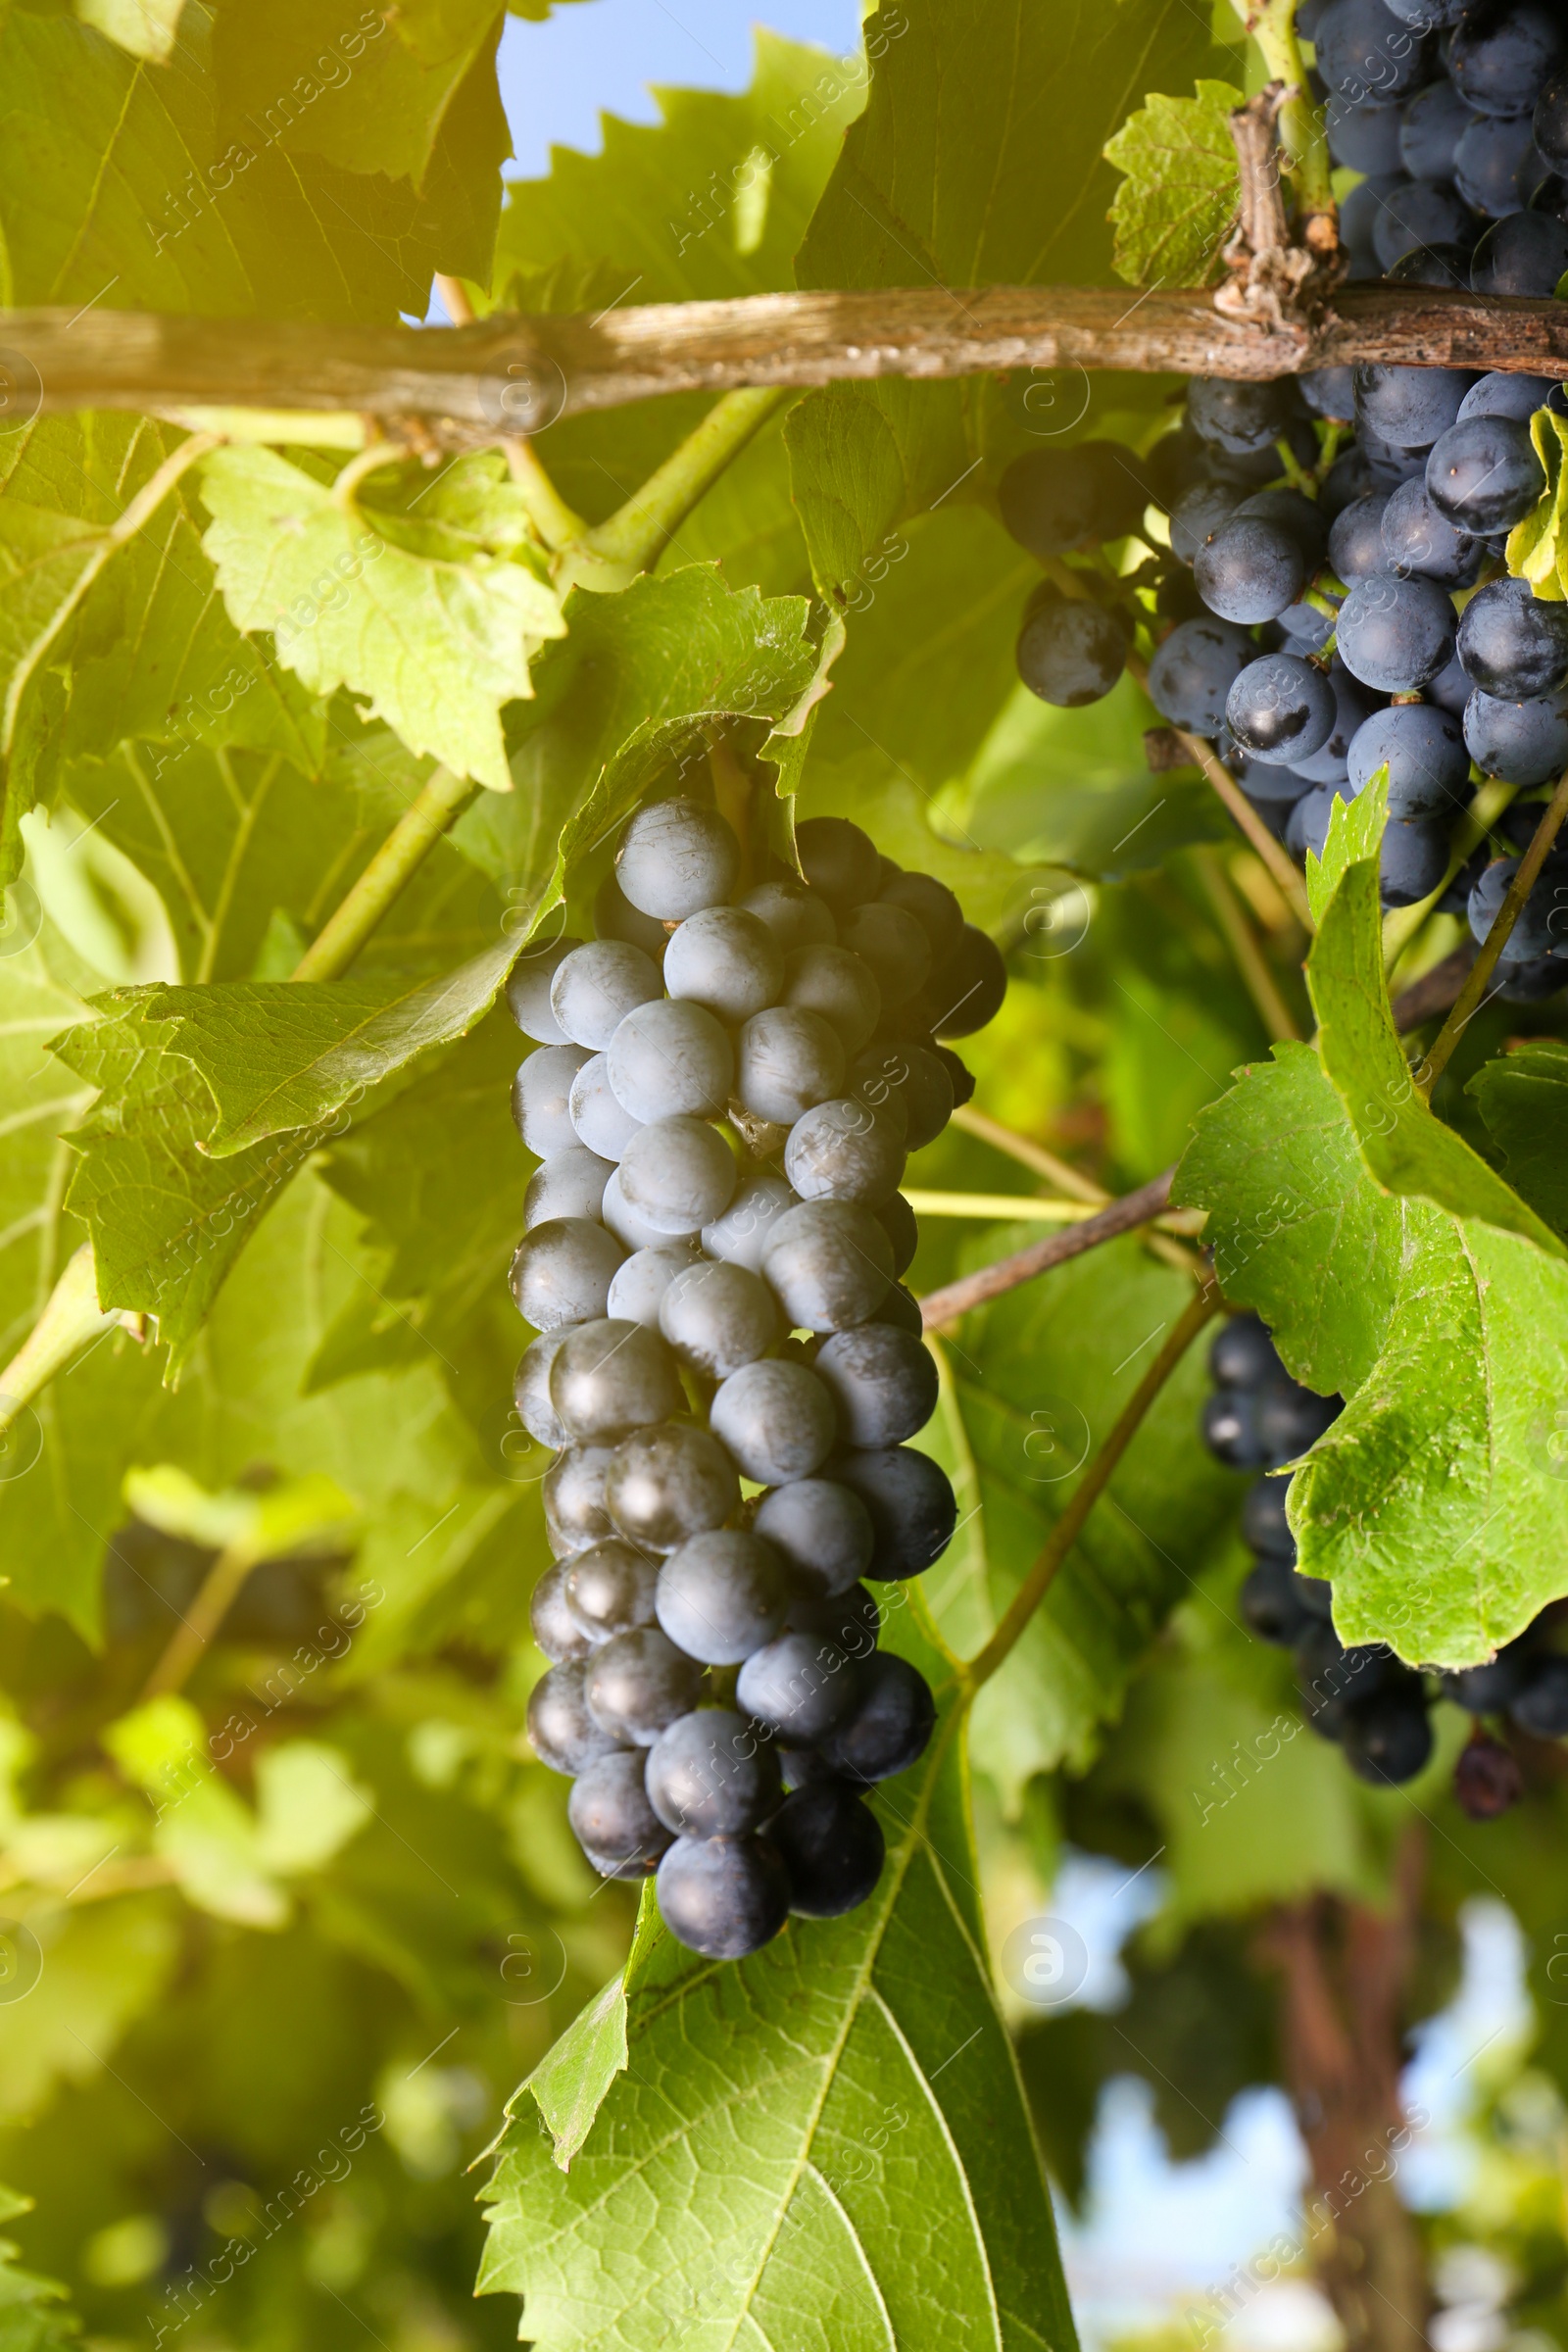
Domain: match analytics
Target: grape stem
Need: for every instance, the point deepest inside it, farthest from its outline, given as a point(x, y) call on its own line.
point(386, 878)
point(1201, 1309)
point(1272, 25)
point(217, 1594)
point(638, 532)
point(1245, 953)
point(1133, 1210)
point(71, 1320)
point(1029, 1154)
point(1468, 1002)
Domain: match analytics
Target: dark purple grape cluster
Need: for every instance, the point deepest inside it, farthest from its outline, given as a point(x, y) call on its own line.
point(1367, 1700)
point(726, 1086)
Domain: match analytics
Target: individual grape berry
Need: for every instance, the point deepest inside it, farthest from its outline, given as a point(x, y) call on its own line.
point(1238, 417)
point(576, 1505)
point(1293, 511)
point(829, 1264)
point(1332, 1679)
point(1501, 54)
point(596, 985)
point(611, 1588)
point(529, 991)
point(1387, 1739)
point(902, 1226)
point(710, 1775)
point(1199, 514)
point(1353, 704)
point(1330, 392)
point(1430, 127)
point(1512, 642)
point(1484, 475)
point(1052, 500)
point(1523, 743)
point(596, 1118)
point(801, 1768)
point(1497, 167)
point(1395, 634)
point(883, 1383)
point(1422, 16)
point(569, 1186)
point(676, 857)
point(723, 1595)
point(775, 1419)
point(1070, 651)
point(678, 1175)
point(786, 1059)
point(840, 862)
point(901, 1307)
point(1424, 751)
point(894, 947)
point(842, 1150)
point(833, 1850)
point(1410, 405)
point(889, 1727)
point(910, 1084)
point(726, 960)
point(1505, 395)
point(633, 1232)
point(541, 1099)
point(1194, 672)
point(741, 1236)
point(1430, 266)
point(822, 1531)
point(612, 1377)
point(1358, 218)
point(1241, 1353)
point(933, 907)
point(724, 1898)
point(562, 1733)
point(912, 1504)
point(966, 992)
point(1249, 570)
point(530, 1388)
point(666, 1485)
point(612, 1819)
point(799, 1686)
point(796, 916)
point(616, 917)
point(1551, 123)
point(837, 987)
point(1419, 542)
point(554, 1631)
point(1356, 538)
point(1543, 919)
point(1291, 1418)
point(637, 1684)
point(1231, 1431)
point(1541, 1707)
point(1270, 1605)
point(1413, 859)
point(668, 1059)
point(1363, 57)
point(1365, 138)
point(1264, 1525)
point(1487, 1689)
point(1280, 709)
point(1417, 217)
point(1486, 1779)
point(959, 1075)
point(562, 1271)
point(719, 1317)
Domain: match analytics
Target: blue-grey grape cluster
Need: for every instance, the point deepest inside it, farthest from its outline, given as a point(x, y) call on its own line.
point(1335, 597)
point(1364, 1698)
point(726, 1086)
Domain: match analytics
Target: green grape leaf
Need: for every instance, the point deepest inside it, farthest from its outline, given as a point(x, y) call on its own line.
point(146, 28)
point(167, 1220)
point(366, 89)
point(1039, 1377)
point(710, 202)
point(277, 1058)
point(42, 990)
point(1523, 1096)
point(31, 2318)
point(294, 1515)
point(1298, 1228)
point(1355, 833)
point(434, 644)
point(106, 1966)
point(1408, 1150)
point(936, 185)
point(1438, 1502)
point(891, 2191)
point(1175, 207)
point(1538, 547)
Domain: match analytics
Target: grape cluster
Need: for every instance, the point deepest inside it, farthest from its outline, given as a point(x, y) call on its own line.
point(1365, 1698)
point(1335, 598)
point(726, 1086)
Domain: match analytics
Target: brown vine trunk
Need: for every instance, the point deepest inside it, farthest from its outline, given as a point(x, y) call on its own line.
point(1345, 1970)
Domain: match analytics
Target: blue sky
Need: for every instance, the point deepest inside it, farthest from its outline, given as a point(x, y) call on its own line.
point(594, 55)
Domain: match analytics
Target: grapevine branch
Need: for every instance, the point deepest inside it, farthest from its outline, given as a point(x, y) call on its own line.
point(1133, 1210)
point(513, 374)
point(1201, 1309)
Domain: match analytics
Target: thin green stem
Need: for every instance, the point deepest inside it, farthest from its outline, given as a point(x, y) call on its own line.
point(219, 1590)
point(556, 523)
point(1245, 954)
point(1205, 1305)
point(71, 1320)
point(1432, 1065)
point(385, 878)
point(637, 531)
point(1272, 25)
